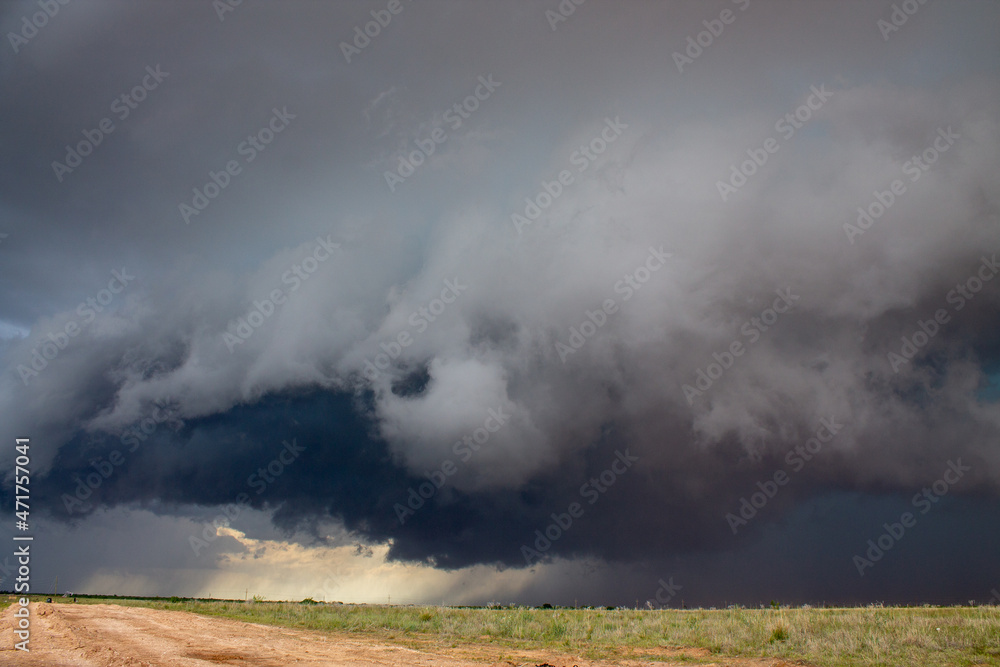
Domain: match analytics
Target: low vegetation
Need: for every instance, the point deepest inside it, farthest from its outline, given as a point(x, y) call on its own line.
point(841, 637)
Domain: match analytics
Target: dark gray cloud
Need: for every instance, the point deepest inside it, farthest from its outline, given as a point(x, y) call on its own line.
point(707, 329)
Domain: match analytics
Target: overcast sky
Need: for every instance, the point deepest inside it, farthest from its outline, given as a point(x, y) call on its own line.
point(516, 301)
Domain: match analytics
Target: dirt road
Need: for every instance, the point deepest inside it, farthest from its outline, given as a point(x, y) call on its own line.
point(101, 635)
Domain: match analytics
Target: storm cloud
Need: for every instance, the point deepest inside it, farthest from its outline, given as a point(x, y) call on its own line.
point(480, 264)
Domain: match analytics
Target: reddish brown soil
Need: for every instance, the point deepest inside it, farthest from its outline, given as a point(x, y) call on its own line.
point(101, 635)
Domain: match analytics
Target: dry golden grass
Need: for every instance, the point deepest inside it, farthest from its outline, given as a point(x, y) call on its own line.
point(851, 637)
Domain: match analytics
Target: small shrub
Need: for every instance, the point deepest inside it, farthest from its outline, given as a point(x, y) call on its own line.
point(779, 634)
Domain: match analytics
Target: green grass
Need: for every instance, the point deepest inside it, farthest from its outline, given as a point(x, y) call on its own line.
point(855, 637)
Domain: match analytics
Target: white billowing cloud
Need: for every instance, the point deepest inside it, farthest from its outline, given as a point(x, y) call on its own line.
point(655, 186)
point(466, 417)
point(494, 345)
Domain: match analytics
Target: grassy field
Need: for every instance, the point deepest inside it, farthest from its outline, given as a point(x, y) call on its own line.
point(856, 637)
